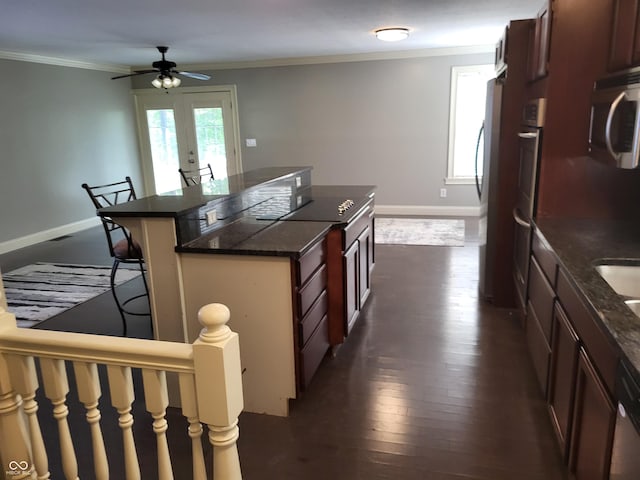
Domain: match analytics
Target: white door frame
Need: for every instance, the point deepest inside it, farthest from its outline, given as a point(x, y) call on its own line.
point(145, 153)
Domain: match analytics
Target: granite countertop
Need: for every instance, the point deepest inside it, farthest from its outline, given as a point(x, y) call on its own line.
point(250, 236)
point(580, 245)
point(177, 202)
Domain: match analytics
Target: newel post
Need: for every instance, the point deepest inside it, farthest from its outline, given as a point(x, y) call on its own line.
point(15, 450)
point(216, 357)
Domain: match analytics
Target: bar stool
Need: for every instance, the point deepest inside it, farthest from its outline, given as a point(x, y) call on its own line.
point(122, 247)
point(195, 176)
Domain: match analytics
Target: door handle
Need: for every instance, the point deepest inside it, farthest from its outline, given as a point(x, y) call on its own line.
point(478, 186)
point(528, 134)
point(519, 220)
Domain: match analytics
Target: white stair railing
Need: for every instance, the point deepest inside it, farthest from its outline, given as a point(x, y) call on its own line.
point(210, 387)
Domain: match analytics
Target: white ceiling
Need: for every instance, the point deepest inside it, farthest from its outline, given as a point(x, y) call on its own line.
point(125, 32)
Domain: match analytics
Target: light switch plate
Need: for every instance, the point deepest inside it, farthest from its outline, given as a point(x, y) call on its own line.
point(251, 142)
point(212, 217)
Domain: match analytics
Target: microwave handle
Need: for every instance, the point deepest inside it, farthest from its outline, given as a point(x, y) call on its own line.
point(607, 128)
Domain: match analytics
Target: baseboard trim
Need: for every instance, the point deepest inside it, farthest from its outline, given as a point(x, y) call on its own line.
point(427, 210)
point(46, 235)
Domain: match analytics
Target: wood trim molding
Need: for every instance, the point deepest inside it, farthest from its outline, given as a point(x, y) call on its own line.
point(442, 211)
point(49, 234)
point(62, 62)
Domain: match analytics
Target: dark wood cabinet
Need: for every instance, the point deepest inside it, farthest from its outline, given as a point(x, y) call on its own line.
point(624, 45)
point(539, 54)
point(310, 312)
point(365, 262)
point(539, 321)
point(575, 363)
point(352, 287)
point(564, 360)
point(539, 349)
point(350, 262)
point(500, 60)
point(625, 35)
point(593, 425)
point(582, 367)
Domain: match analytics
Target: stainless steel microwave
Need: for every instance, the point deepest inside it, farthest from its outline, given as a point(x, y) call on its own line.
point(614, 136)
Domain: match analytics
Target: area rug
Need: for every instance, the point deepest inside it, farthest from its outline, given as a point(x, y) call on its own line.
point(420, 231)
point(39, 291)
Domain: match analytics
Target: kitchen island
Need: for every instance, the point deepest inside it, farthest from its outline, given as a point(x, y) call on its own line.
point(291, 261)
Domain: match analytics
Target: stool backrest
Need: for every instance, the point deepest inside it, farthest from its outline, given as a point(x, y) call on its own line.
point(196, 176)
point(108, 195)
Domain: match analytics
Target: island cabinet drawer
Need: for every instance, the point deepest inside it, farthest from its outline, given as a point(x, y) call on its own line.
point(314, 351)
point(356, 226)
point(595, 341)
point(545, 257)
point(541, 296)
point(308, 294)
point(310, 261)
point(311, 320)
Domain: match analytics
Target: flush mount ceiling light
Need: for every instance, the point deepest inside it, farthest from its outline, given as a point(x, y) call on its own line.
point(392, 34)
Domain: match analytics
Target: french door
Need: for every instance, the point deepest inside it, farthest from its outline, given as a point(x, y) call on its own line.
point(186, 129)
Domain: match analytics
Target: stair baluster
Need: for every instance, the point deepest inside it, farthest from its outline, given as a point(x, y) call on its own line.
point(56, 389)
point(89, 393)
point(122, 396)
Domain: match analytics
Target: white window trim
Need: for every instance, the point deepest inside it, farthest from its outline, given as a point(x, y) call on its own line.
point(450, 179)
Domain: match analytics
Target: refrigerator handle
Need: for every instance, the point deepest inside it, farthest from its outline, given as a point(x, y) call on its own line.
point(478, 186)
point(528, 134)
point(519, 220)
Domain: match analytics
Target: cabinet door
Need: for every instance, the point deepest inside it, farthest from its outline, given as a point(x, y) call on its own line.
point(562, 374)
point(541, 43)
point(593, 424)
point(351, 285)
point(539, 350)
point(623, 34)
point(364, 257)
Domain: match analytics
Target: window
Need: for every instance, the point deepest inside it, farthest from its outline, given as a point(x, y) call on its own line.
point(468, 97)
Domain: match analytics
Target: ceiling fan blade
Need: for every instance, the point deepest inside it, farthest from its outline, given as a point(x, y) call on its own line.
point(137, 72)
point(197, 76)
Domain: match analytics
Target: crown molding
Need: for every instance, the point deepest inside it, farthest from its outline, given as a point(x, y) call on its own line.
point(355, 57)
point(62, 62)
point(275, 62)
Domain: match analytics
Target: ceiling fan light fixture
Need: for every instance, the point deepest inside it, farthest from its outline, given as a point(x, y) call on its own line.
point(175, 82)
point(156, 82)
point(394, 34)
point(167, 81)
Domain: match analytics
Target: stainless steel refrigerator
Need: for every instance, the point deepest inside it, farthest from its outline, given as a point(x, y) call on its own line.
point(488, 155)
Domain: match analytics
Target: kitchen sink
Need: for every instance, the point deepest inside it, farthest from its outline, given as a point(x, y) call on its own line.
point(624, 279)
point(634, 305)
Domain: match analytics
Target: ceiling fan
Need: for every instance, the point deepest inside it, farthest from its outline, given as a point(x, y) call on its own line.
point(166, 71)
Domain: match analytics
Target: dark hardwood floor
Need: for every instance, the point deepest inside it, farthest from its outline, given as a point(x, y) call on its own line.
point(433, 383)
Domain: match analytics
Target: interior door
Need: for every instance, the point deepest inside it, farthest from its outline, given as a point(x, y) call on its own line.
point(186, 130)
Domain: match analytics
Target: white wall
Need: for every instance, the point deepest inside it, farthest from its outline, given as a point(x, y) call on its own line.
point(60, 127)
point(379, 122)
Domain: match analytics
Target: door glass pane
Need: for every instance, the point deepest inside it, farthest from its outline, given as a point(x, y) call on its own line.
point(210, 140)
point(164, 149)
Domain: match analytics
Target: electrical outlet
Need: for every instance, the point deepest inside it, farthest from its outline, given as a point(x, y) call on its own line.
point(298, 182)
point(212, 217)
point(443, 193)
